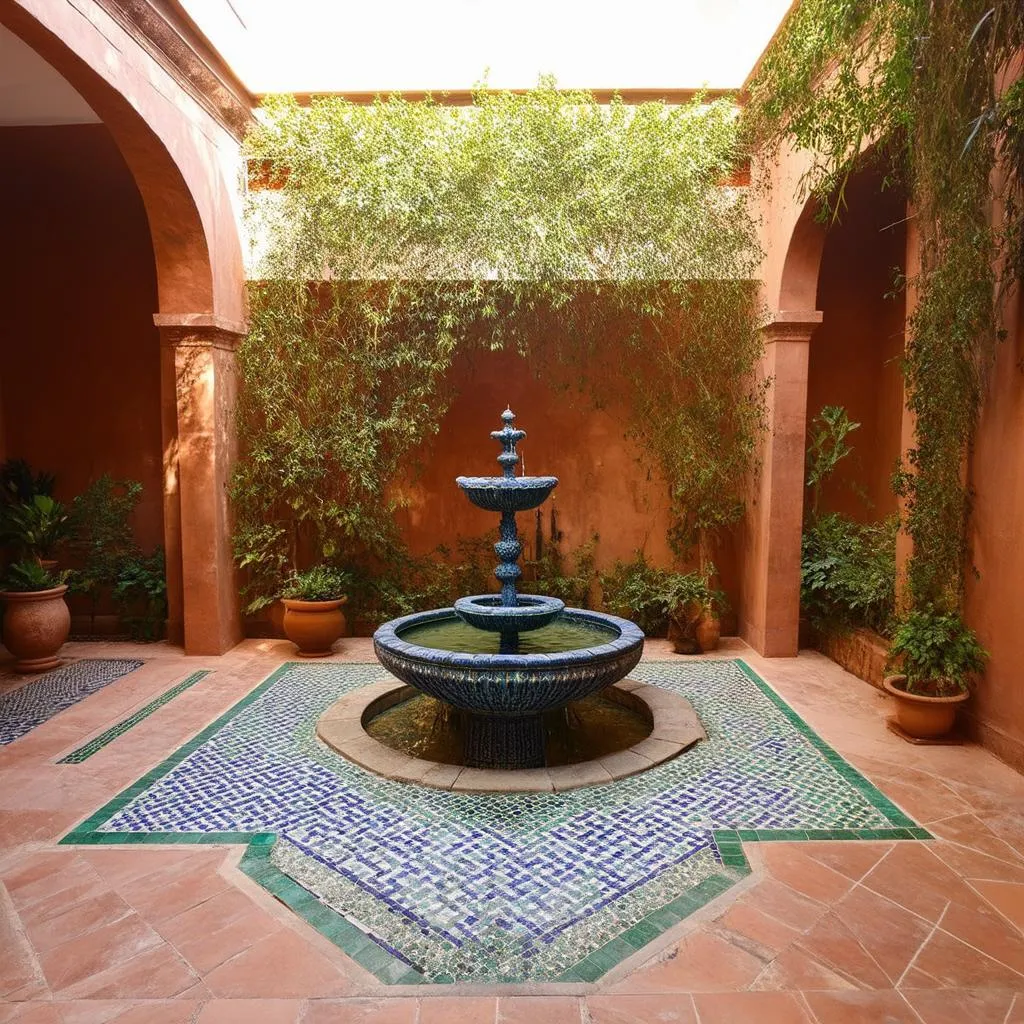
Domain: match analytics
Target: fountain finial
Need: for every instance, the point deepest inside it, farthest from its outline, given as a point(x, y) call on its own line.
point(508, 437)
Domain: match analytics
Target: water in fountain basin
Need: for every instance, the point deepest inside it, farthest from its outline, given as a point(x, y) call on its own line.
point(565, 634)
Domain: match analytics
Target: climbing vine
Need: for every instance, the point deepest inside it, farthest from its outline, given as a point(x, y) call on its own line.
point(925, 83)
point(603, 240)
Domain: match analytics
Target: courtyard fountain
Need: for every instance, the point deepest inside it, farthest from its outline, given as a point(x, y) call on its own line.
point(504, 660)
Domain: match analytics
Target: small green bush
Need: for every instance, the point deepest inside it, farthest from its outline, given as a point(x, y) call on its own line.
point(937, 652)
point(29, 576)
point(319, 583)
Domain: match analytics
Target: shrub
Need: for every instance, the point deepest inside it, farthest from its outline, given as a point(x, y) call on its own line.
point(319, 583)
point(937, 651)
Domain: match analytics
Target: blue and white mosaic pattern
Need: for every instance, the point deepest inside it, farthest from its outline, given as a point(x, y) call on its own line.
point(500, 887)
point(22, 709)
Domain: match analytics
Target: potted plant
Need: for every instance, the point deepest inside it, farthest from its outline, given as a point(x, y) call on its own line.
point(36, 616)
point(36, 527)
point(709, 626)
point(938, 655)
point(312, 599)
point(684, 597)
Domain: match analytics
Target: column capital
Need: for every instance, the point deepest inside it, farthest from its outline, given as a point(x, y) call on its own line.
point(199, 330)
point(792, 325)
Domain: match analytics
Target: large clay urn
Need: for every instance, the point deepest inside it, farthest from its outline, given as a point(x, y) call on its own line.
point(313, 626)
point(36, 624)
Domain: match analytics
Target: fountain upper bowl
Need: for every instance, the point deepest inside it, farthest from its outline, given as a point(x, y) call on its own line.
point(507, 493)
point(510, 684)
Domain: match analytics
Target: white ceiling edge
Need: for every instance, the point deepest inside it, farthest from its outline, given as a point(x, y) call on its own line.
point(32, 92)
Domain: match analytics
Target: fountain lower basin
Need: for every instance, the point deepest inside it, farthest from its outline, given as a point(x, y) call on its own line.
point(507, 694)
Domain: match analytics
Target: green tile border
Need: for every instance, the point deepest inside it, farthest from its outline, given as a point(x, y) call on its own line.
point(97, 743)
point(389, 969)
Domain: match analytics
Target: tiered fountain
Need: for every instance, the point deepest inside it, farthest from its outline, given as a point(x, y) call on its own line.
point(505, 659)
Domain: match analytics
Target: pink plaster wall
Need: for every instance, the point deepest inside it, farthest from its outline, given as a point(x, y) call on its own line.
point(994, 602)
point(855, 354)
point(79, 355)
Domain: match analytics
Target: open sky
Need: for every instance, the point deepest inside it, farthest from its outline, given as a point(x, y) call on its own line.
point(339, 45)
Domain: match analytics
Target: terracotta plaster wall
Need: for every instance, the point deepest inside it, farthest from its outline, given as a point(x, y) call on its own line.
point(994, 604)
point(603, 488)
point(79, 355)
point(855, 354)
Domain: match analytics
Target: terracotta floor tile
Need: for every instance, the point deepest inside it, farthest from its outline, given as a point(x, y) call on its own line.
point(912, 876)
point(90, 887)
point(989, 931)
point(854, 860)
point(782, 903)
point(791, 866)
point(860, 1008)
point(174, 1011)
point(1016, 1014)
point(220, 928)
point(121, 866)
point(18, 965)
point(751, 1008)
point(175, 889)
point(55, 875)
point(34, 868)
point(702, 962)
point(971, 831)
point(281, 966)
point(954, 964)
point(642, 1009)
point(795, 969)
point(463, 1010)
point(539, 1010)
point(252, 1011)
point(890, 934)
point(77, 919)
point(832, 943)
point(960, 1006)
point(359, 1011)
point(72, 962)
point(91, 1011)
point(755, 931)
point(971, 864)
point(30, 1013)
point(157, 973)
point(1006, 897)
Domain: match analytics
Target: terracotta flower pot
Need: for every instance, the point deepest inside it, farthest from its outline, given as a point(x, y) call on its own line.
point(709, 630)
point(36, 624)
point(682, 625)
point(924, 718)
point(313, 626)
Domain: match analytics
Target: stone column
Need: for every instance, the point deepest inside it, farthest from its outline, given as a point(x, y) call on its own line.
point(770, 602)
point(199, 382)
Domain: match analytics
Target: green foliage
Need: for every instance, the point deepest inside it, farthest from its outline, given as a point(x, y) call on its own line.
point(847, 568)
point(318, 583)
point(103, 537)
point(848, 573)
point(921, 81)
point(569, 577)
point(19, 484)
point(827, 448)
point(37, 526)
point(140, 594)
point(28, 576)
point(586, 236)
point(650, 596)
point(937, 651)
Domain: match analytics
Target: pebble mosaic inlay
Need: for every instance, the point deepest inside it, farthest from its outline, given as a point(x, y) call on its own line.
point(22, 709)
point(435, 886)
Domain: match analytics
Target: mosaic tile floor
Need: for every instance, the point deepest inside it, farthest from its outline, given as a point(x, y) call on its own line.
point(425, 885)
point(35, 702)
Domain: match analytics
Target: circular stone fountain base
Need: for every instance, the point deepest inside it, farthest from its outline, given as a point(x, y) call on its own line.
point(674, 728)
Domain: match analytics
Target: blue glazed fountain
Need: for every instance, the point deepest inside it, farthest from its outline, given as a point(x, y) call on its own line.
point(505, 659)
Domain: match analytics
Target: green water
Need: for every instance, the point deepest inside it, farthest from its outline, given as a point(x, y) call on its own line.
point(565, 634)
point(586, 729)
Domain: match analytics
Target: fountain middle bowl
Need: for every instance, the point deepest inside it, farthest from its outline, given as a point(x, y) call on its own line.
point(510, 685)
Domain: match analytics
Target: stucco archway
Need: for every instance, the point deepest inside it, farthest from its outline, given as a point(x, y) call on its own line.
point(178, 156)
